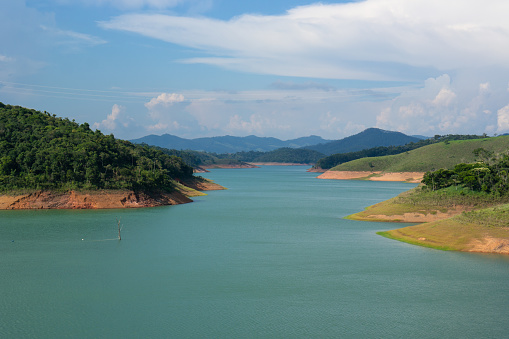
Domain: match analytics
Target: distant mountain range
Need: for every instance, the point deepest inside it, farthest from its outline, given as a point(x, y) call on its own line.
point(227, 144)
point(371, 137)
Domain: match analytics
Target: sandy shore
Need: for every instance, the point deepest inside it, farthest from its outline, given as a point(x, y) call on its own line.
point(412, 177)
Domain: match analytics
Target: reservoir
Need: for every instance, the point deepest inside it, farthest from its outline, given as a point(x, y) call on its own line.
point(270, 257)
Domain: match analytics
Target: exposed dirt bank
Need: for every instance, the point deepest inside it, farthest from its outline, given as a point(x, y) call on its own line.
point(449, 234)
point(278, 164)
point(412, 177)
point(490, 245)
point(440, 228)
point(410, 217)
point(90, 200)
point(104, 199)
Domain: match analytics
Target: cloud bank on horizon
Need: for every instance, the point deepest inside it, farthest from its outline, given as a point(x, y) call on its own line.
point(419, 67)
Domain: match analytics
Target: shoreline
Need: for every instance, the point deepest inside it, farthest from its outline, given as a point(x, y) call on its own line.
point(410, 177)
point(442, 228)
point(278, 164)
point(218, 166)
point(105, 199)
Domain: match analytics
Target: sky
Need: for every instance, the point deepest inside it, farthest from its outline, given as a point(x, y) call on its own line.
point(273, 68)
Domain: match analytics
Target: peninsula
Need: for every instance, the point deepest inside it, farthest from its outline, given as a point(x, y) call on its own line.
point(462, 206)
point(51, 162)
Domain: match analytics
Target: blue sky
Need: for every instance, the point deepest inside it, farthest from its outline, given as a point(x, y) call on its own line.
point(283, 69)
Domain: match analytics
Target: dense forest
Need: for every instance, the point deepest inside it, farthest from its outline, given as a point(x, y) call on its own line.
point(41, 151)
point(340, 158)
point(490, 174)
point(282, 155)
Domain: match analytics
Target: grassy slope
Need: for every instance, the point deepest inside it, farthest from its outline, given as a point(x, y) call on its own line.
point(459, 233)
point(441, 155)
point(488, 219)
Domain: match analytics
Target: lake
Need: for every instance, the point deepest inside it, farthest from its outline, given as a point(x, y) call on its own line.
point(271, 257)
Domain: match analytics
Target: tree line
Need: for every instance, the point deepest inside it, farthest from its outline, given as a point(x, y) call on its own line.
point(490, 174)
point(284, 155)
point(41, 151)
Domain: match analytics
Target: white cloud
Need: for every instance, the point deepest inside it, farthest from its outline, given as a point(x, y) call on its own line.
point(503, 120)
point(168, 112)
point(444, 107)
point(279, 113)
point(115, 119)
point(371, 39)
point(165, 99)
point(484, 87)
point(444, 98)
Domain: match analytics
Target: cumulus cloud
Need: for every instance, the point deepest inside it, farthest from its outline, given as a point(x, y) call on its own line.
point(371, 39)
point(443, 107)
point(444, 98)
point(168, 113)
point(116, 118)
point(164, 99)
point(503, 120)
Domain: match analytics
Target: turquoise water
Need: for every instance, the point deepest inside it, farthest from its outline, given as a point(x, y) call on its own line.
point(271, 257)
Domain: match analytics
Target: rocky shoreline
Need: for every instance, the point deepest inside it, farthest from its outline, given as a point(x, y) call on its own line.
point(104, 199)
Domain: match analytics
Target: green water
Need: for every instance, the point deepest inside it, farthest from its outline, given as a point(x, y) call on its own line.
point(271, 257)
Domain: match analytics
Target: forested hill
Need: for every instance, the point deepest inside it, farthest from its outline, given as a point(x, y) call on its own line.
point(369, 138)
point(42, 151)
point(227, 144)
point(281, 155)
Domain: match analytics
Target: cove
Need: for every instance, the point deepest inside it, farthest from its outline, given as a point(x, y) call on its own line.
point(270, 257)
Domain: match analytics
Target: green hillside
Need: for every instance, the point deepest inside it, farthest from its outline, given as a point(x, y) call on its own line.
point(42, 151)
point(340, 158)
point(427, 158)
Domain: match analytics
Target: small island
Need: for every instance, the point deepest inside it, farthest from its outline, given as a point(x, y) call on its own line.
point(48, 162)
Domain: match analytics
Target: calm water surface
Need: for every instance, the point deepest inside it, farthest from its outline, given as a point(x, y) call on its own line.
point(271, 257)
